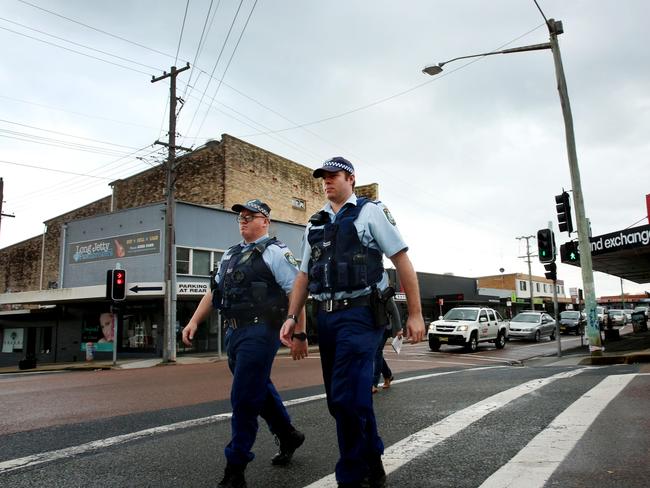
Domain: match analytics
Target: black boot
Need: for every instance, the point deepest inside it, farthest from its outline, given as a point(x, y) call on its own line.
point(233, 476)
point(289, 442)
point(376, 474)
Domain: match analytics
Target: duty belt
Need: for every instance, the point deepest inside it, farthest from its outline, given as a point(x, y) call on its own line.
point(343, 303)
point(235, 323)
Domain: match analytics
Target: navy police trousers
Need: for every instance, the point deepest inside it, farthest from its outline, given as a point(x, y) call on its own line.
point(251, 350)
point(348, 342)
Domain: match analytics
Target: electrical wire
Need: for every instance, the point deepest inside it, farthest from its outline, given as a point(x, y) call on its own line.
point(223, 46)
point(65, 134)
point(43, 168)
point(96, 29)
point(180, 38)
point(79, 44)
point(75, 51)
point(228, 65)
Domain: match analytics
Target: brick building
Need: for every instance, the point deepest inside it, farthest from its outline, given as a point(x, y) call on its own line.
point(52, 285)
point(219, 174)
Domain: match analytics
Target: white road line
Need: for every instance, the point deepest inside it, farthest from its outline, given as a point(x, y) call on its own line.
point(414, 445)
point(535, 463)
point(45, 457)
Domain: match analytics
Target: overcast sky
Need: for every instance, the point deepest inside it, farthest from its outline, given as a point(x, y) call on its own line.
point(467, 161)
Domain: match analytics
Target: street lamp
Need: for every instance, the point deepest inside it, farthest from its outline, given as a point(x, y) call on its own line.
point(555, 28)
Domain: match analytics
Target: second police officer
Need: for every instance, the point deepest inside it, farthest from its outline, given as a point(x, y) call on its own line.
point(250, 289)
point(342, 269)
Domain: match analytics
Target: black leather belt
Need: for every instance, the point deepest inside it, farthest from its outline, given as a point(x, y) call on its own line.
point(343, 303)
point(235, 323)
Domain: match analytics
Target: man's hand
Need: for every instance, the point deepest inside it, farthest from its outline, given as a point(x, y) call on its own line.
point(299, 349)
point(188, 333)
point(415, 329)
point(286, 331)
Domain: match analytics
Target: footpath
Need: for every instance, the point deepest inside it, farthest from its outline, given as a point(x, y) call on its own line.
point(628, 349)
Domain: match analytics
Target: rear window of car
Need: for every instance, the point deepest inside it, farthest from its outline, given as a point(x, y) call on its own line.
point(526, 317)
point(570, 315)
point(461, 314)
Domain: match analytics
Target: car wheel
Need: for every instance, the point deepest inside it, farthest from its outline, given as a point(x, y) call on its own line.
point(434, 344)
point(472, 345)
point(538, 336)
point(500, 343)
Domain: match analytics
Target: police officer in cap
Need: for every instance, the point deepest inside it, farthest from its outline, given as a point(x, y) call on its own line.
point(342, 270)
point(250, 289)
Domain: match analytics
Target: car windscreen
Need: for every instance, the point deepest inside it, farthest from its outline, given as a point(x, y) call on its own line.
point(570, 315)
point(615, 313)
point(461, 314)
point(526, 317)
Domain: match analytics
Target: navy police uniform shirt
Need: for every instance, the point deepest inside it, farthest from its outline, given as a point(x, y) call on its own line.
point(278, 257)
point(376, 229)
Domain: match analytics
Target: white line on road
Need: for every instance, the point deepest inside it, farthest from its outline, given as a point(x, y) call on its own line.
point(416, 444)
point(535, 463)
point(45, 457)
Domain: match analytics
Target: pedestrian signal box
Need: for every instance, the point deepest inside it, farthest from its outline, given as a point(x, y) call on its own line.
point(569, 253)
point(116, 284)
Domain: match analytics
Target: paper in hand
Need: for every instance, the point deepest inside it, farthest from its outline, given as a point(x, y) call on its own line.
point(397, 344)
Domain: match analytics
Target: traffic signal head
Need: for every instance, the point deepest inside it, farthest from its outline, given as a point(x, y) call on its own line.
point(563, 208)
point(118, 289)
point(546, 245)
point(551, 271)
point(570, 253)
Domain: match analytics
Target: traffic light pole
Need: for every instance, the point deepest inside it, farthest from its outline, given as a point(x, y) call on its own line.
point(169, 330)
point(593, 329)
point(557, 319)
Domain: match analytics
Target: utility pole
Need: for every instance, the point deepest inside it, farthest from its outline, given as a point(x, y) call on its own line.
point(169, 329)
point(2, 186)
point(530, 275)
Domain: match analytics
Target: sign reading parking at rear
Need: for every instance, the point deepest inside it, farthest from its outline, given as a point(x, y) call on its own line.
point(190, 288)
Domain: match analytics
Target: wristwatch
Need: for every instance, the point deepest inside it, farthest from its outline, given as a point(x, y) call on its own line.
point(301, 336)
point(294, 317)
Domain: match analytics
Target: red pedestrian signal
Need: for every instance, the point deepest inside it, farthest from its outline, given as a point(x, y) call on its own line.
point(116, 284)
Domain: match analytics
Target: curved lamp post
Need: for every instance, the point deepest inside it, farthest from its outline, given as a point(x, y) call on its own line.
point(555, 28)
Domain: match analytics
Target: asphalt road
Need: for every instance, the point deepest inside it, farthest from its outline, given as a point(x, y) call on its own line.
point(451, 420)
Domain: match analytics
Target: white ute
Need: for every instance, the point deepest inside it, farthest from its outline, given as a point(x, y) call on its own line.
point(468, 326)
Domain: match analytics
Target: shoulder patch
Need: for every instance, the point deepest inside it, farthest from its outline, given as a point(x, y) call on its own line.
point(289, 257)
point(389, 216)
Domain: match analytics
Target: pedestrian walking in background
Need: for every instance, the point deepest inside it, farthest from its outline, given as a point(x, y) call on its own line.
point(393, 329)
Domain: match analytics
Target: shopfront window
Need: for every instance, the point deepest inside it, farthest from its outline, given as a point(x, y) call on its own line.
point(196, 262)
point(201, 262)
point(182, 260)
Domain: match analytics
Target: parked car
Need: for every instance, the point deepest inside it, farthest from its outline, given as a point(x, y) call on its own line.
point(467, 326)
point(532, 326)
point(573, 321)
point(603, 316)
point(617, 317)
point(643, 308)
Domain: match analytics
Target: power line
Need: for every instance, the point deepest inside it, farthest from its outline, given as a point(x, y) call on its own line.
point(77, 44)
point(223, 46)
point(65, 134)
point(75, 51)
point(96, 29)
point(50, 107)
point(43, 168)
point(228, 65)
point(180, 38)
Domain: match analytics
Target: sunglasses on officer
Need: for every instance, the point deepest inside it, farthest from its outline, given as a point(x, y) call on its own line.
point(248, 218)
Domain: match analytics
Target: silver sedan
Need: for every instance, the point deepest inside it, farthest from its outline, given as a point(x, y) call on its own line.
point(532, 326)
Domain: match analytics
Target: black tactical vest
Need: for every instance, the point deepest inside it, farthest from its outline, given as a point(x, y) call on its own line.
point(247, 287)
point(339, 262)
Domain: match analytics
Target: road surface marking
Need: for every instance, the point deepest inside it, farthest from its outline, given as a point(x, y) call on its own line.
point(49, 456)
point(535, 463)
point(416, 444)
